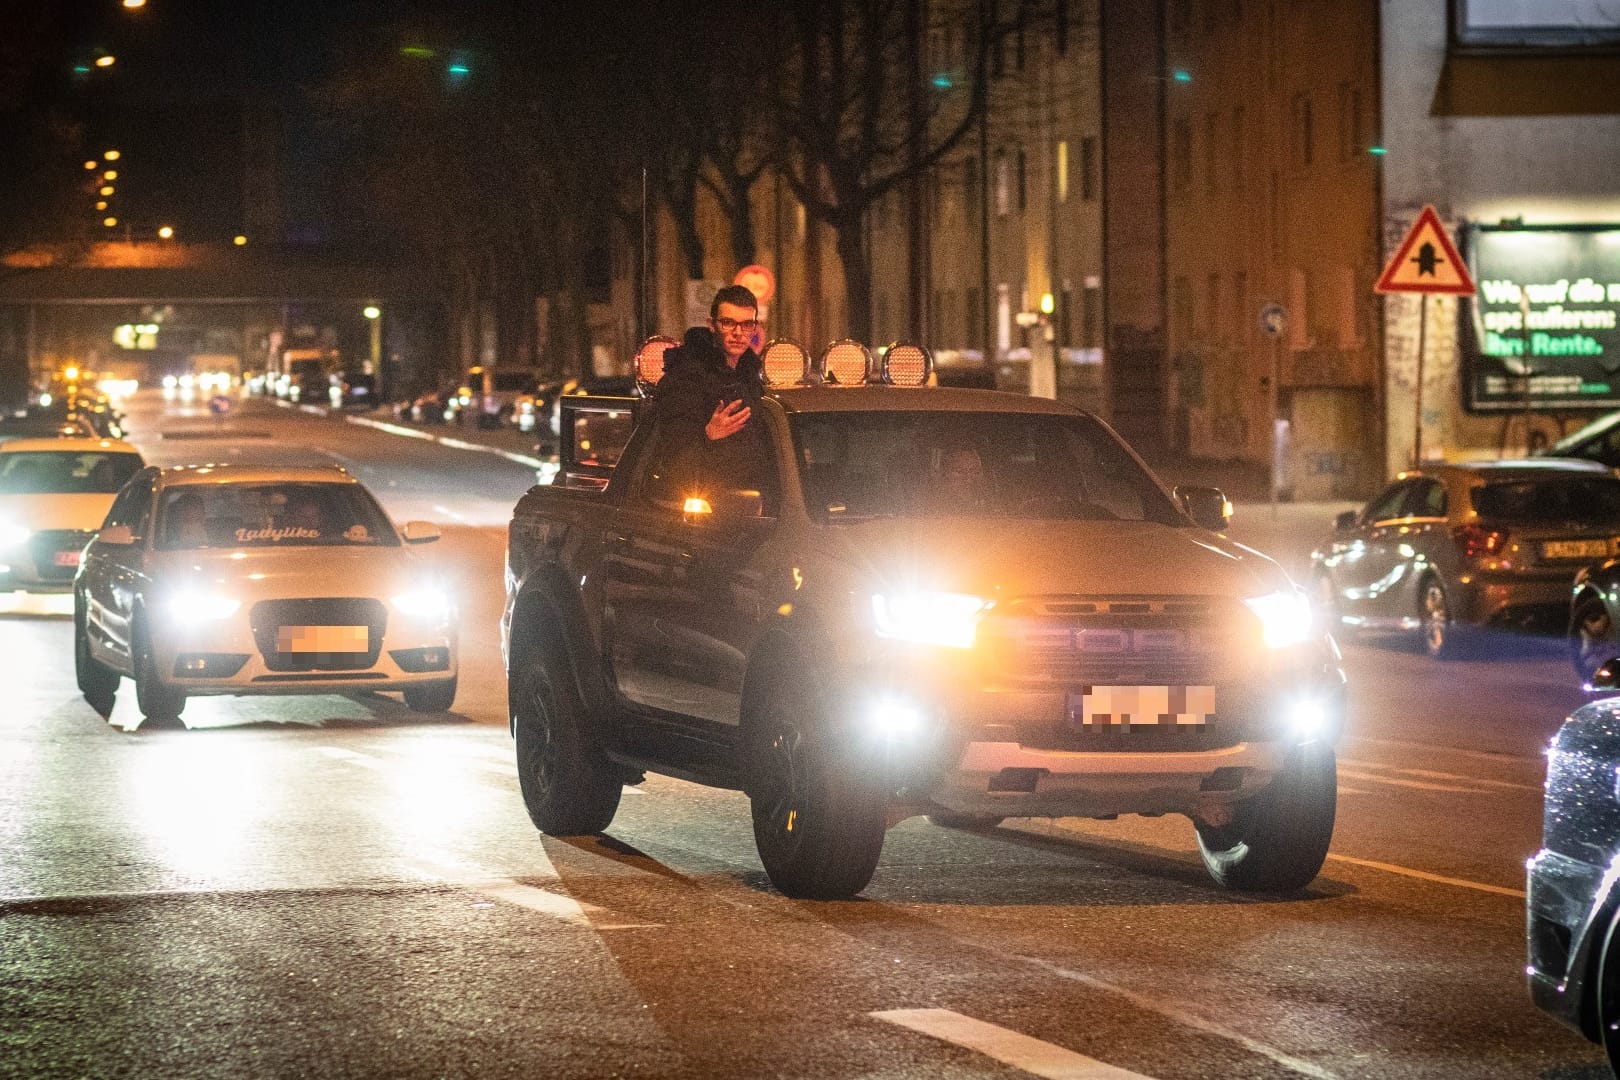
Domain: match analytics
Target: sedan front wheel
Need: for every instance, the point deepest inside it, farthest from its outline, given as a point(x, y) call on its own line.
point(159, 703)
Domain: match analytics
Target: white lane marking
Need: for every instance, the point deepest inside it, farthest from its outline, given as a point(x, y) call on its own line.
point(1483, 755)
point(566, 909)
point(1351, 790)
point(1430, 774)
point(1186, 1019)
point(452, 443)
point(1424, 875)
point(352, 757)
point(447, 512)
point(392, 429)
point(1355, 774)
point(1005, 1045)
point(628, 790)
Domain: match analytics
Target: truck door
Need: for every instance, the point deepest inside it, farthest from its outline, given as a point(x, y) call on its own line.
point(683, 603)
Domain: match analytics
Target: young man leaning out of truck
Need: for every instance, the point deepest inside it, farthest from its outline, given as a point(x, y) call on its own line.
point(709, 397)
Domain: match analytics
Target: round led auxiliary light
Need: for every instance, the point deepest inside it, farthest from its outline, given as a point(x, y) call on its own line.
point(648, 364)
point(905, 364)
point(785, 363)
point(844, 363)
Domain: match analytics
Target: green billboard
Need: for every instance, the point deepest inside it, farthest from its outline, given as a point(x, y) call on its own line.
point(1546, 319)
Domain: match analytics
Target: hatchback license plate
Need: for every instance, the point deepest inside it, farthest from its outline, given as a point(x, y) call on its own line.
point(323, 639)
point(1575, 549)
point(1095, 707)
point(68, 558)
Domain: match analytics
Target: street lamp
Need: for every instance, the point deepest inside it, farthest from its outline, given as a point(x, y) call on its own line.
point(110, 174)
point(134, 3)
point(107, 189)
point(111, 155)
point(102, 205)
point(106, 61)
point(166, 232)
point(91, 165)
point(239, 240)
point(110, 222)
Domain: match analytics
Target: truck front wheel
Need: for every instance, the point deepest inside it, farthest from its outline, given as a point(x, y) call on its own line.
point(819, 817)
point(1277, 840)
point(569, 786)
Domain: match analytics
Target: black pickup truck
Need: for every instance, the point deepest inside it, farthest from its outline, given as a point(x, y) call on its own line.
point(961, 603)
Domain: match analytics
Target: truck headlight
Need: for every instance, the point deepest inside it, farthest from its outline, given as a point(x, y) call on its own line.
point(427, 602)
point(202, 606)
point(929, 618)
point(1285, 617)
point(13, 535)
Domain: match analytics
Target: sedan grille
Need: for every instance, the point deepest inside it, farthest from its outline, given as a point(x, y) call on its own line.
point(269, 618)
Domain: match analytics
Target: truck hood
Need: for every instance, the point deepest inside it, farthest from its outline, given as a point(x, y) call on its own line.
point(39, 512)
point(1031, 558)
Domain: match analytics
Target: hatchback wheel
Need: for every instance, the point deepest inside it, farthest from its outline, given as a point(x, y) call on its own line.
point(1442, 638)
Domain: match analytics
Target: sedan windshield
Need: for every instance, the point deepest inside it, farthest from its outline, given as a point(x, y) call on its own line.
point(271, 515)
point(65, 472)
point(861, 465)
point(1592, 500)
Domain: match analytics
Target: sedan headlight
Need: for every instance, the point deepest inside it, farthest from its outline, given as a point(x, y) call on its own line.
point(929, 618)
point(13, 535)
point(427, 602)
point(202, 606)
point(1285, 617)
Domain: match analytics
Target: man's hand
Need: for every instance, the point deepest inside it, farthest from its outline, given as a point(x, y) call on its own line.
point(728, 419)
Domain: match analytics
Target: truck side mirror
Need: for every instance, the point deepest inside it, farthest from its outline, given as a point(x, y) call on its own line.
point(420, 532)
point(1207, 506)
point(117, 536)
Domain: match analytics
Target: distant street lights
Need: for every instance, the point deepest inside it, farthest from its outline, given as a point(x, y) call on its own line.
point(106, 61)
point(239, 240)
point(166, 232)
point(110, 222)
point(111, 155)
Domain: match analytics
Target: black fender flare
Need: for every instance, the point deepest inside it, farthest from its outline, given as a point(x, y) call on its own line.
point(548, 616)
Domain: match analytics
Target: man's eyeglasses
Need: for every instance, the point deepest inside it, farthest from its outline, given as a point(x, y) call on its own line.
point(726, 326)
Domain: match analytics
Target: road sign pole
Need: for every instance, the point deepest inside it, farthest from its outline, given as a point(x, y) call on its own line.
point(1417, 382)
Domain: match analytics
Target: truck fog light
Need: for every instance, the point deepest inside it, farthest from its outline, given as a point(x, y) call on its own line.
point(894, 719)
point(1306, 719)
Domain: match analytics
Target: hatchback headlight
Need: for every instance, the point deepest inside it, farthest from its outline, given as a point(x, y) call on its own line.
point(1285, 617)
point(428, 602)
point(929, 618)
point(202, 606)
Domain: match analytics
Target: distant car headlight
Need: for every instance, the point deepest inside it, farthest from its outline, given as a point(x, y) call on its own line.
point(1285, 617)
point(929, 618)
point(424, 603)
point(202, 606)
point(13, 535)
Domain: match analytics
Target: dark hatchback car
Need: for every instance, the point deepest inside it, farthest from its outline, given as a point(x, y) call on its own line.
point(1448, 549)
point(1573, 895)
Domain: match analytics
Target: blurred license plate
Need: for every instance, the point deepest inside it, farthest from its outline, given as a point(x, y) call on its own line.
point(68, 558)
point(323, 639)
point(1096, 707)
point(1575, 549)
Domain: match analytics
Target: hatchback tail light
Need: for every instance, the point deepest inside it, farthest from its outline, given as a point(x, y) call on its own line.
point(1477, 540)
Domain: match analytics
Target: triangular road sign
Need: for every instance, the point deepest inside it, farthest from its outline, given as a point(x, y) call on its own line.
point(1426, 262)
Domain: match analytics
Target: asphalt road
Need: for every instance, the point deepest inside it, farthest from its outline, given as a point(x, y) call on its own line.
point(327, 886)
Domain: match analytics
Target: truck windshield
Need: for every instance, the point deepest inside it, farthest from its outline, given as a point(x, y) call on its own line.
point(860, 465)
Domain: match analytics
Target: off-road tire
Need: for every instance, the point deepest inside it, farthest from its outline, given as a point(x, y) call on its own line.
point(434, 697)
point(569, 787)
point(819, 812)
point(1278, 839)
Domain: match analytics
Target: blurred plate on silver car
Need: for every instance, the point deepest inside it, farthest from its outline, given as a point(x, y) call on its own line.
point(1576, 549)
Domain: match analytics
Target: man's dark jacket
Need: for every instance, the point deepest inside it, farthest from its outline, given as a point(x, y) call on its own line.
point(696, 380)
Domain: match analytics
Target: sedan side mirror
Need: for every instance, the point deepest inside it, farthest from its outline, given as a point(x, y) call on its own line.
point(117, 536)
point(1207, 506)
point(421, 532)
point(1345, 522)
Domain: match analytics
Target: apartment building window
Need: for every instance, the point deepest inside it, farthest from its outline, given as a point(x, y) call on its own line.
point(1240, 159)
point(1299, 293)
point(1088, 167)
point(1211, 147)
point(1063, 170)
point(1065, 313)
point(1181, 153)
point(1023, 177)
point(1091, 316)
point(1352, 133)
point(1003, 184)
point(1303, 131)
point(1349, 298)
point(973, 314)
